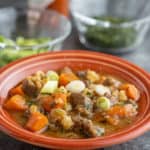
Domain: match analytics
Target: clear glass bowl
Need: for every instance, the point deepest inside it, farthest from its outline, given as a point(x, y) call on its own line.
point(103, 35)
point(31, 23)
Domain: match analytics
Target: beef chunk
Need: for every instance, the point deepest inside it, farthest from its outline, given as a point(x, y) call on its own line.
point(81, 104)
point(32, 84)
point(110, 81)
point(77, 99)
point(85, 127)
point(81, 75)
point(30, 88)
point(47, 102)
point(53, 127)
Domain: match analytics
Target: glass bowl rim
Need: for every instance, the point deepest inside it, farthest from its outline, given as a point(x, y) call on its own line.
point(49, 43)
point(92, 21)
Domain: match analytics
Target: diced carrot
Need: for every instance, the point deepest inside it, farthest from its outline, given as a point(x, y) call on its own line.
point(17, 90)
point(65, 78)
point(131, 91)
point(16, 102)
point(47, 103)
point(36, 122)
point(60, 99)
point(98, 117)
point(117, 110)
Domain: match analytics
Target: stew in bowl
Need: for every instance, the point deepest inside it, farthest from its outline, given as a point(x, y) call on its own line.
point(74, 100)
point(71, 104)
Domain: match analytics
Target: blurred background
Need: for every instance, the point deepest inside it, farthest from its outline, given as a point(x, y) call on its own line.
point(117, 27)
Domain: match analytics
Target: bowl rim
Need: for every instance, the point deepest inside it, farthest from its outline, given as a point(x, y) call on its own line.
point(4, 124)
point(92, 21)
point(53, 41)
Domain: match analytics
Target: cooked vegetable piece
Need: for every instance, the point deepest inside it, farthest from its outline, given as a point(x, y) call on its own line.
point(115, 93)
point(68, 107)
point(92, 76)
point(122, 95)
point(36, 122)
point(131, 91)
point(75, 86)
point(60, 117)
point(57, 114)
point(47, 102)
point(103, 103)
point(101, 90)
point(98, 117)
point(33, 108)
point(57, 100)
point(62, 89)
point(67, 122)
point(49, 87)
point(60, 99)
point(16, 102)
point(65, 78)
point(117, 110)
point(52, 75)
point(17, 90)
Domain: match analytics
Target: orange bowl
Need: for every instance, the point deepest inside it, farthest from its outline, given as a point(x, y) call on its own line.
point(76, 59)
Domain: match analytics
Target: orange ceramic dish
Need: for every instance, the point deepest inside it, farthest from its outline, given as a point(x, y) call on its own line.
point(13, 73)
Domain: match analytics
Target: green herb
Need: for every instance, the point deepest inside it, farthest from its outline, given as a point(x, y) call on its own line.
point(29, 103)
point(21, 41)
point(113, 36)
point(9, 54)
point(6, 41)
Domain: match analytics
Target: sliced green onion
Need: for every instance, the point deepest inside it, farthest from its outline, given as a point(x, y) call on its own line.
point(52, 75)
point(50, 87)
point(103, 103)
point(75, 86)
